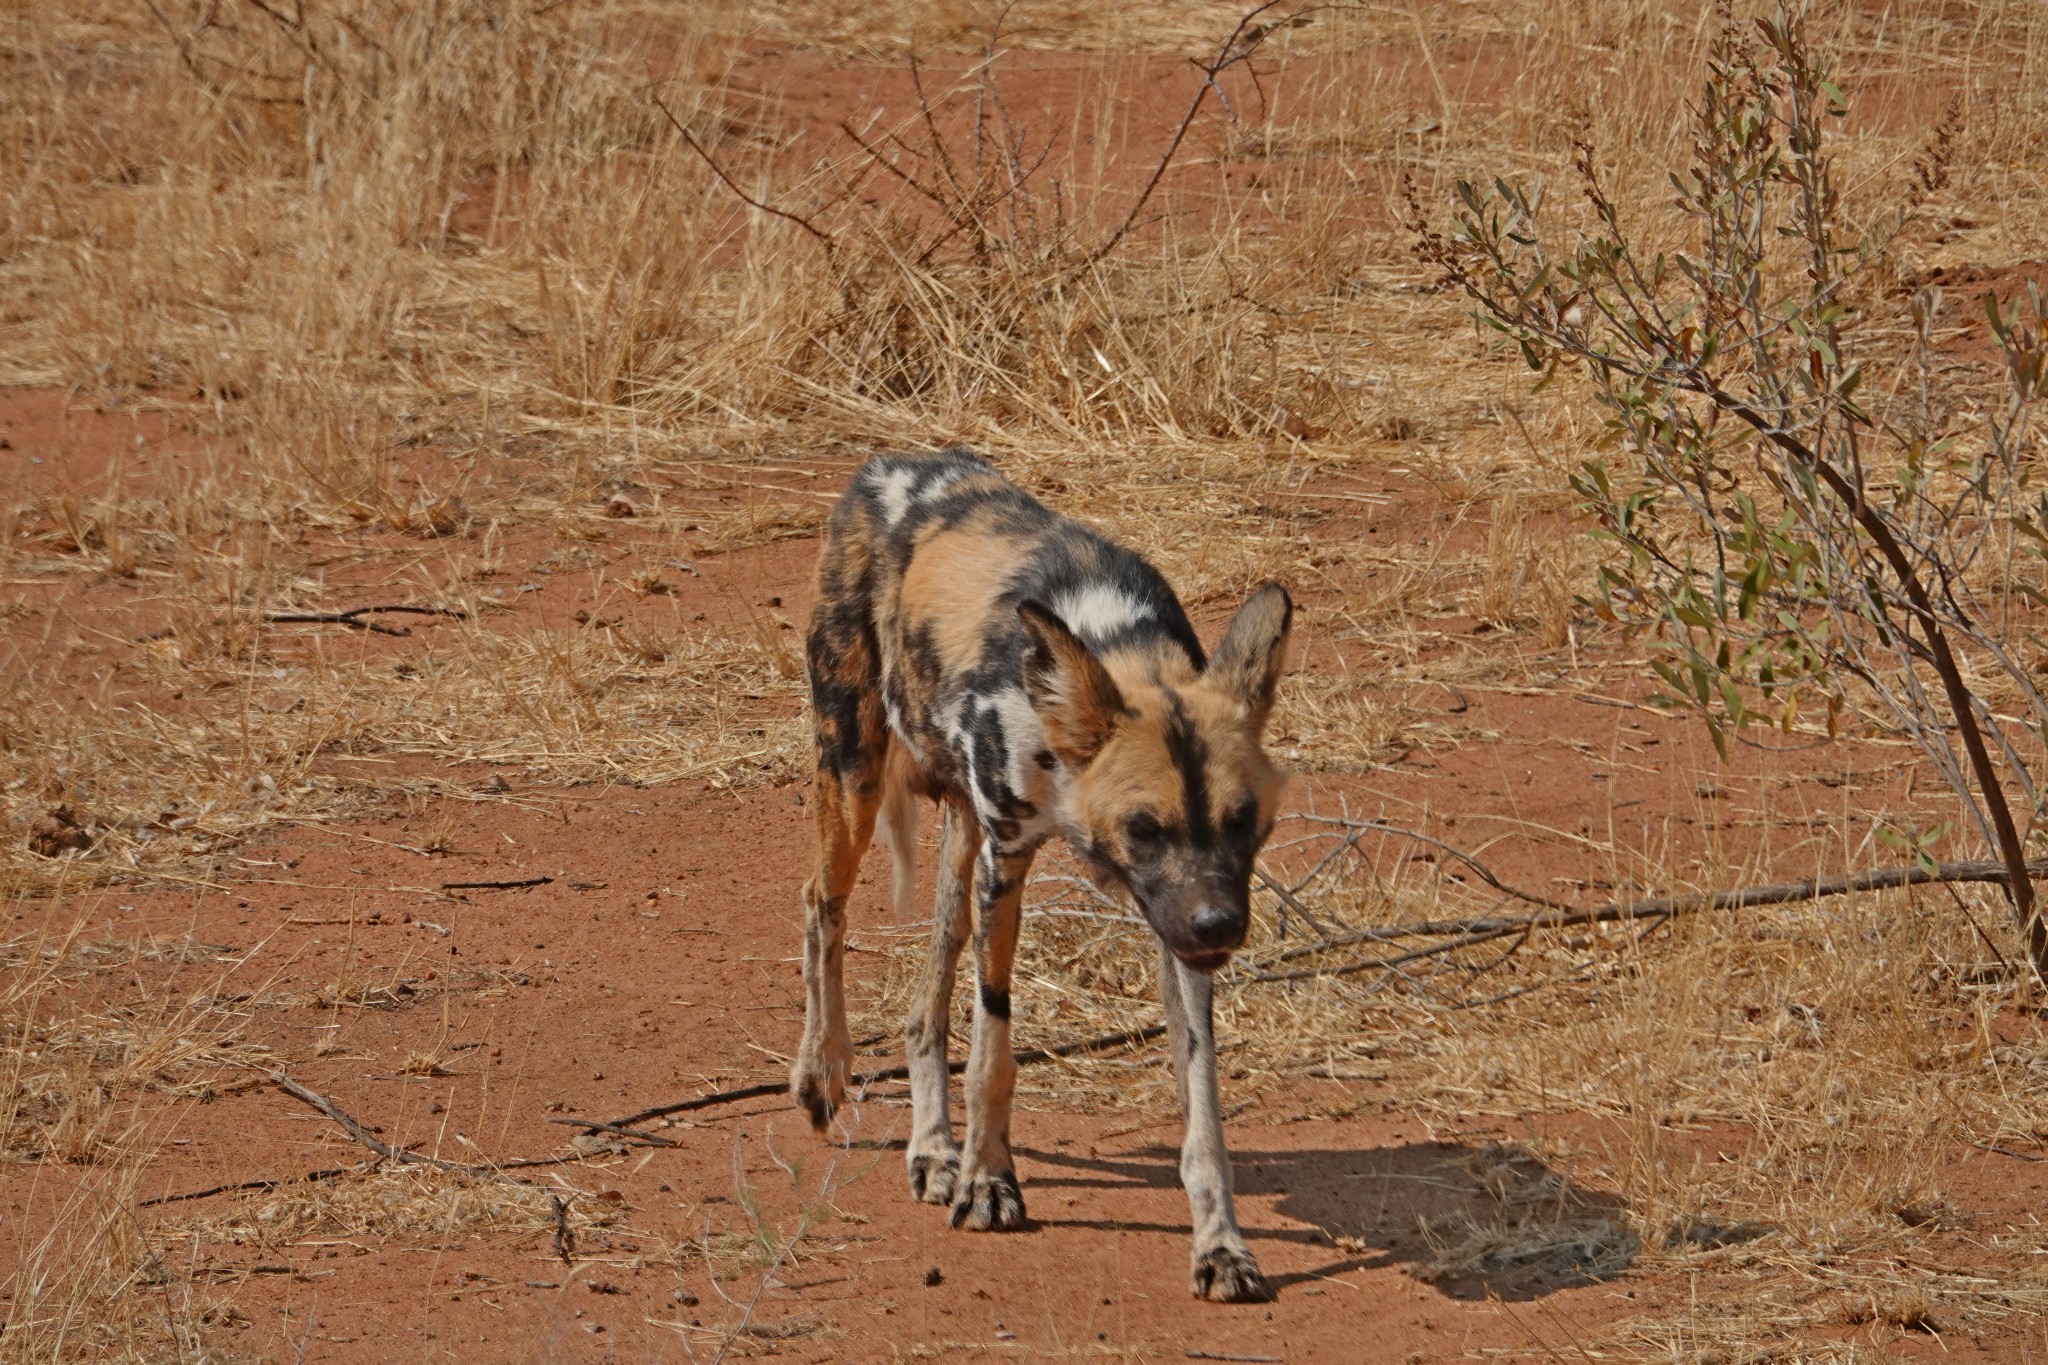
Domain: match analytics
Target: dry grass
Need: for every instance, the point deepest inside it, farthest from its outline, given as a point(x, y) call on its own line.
point(435, 283)
point(87, 1279)
point(405, 1201)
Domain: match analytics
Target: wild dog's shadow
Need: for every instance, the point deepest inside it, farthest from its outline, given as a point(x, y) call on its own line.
point(1474, 1221)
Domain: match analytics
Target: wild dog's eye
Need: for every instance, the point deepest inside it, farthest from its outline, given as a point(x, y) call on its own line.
point(1243, 819)
point(1143, 831)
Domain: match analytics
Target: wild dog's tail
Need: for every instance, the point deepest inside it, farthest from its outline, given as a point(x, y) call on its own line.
point(896, 827)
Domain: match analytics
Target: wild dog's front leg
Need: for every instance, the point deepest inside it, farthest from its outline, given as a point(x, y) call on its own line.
point(845, 815)
point(987, 1197)
point(933, 1157)
point(1222, 1268)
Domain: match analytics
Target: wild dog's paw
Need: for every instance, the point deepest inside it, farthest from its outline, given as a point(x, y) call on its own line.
point(933, 1176)
point(818, 1080)
point(818, 1096)
point(989, 1203)
point(1228, 1274)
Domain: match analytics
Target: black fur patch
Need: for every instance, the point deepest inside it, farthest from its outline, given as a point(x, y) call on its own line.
point(816, 1105)
point(995, 1003)
point(1190, 755)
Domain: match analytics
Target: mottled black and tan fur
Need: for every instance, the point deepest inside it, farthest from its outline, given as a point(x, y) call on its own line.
point(1035, 679)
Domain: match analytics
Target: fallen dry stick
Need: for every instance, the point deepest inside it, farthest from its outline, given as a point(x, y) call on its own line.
point(399, 1154)
point(1029, 1057)
point(362, 1135)
point(353, 617)
point(1485, 929)
point(238, 1186)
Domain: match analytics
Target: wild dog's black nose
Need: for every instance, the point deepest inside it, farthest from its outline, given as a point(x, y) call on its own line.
point(1216, 927)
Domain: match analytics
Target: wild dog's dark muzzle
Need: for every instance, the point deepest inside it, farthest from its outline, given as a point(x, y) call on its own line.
point(1217, 928)
point(1204, 935)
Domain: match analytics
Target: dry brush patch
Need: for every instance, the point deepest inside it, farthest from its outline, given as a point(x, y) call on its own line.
point(88, 1280)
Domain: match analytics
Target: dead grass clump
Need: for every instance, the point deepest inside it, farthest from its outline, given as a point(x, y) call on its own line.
point(90, 1286)
point(86, 1282)
point(402, 1201)
point(1540, 1225)
point(1534, 573)
point(71, 1068)
point(71, 1077)
point(571, 707)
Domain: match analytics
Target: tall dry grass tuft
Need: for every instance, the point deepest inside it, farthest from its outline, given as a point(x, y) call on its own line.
point(85, 1278)
point(88, 1284)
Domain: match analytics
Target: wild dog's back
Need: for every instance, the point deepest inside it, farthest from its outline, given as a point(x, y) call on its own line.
point(927, 560)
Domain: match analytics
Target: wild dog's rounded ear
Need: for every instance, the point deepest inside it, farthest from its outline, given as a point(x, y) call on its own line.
point(1076, 700)
point(1247, 664)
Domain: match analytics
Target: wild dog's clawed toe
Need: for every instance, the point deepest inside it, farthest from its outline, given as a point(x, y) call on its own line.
point(990, 1203)
point(1228, 1274)
point(819, 1084)
point(819, 1097)
point(933, 1176)
point(818, 1102)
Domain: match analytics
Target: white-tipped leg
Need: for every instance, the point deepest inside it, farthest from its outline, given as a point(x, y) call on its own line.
point(986, 1198)
point(1222, 1268)
point(933, 1156)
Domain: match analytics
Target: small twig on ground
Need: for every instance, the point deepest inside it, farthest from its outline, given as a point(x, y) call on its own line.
point(398, 1154)
point(1485, 873)
point(565, 1240)
point(518, 885)
point(353, 617)
point(237, 1187)
point(362, 1135)
point(649, 1138)
point(1468, 940)
point(1029, 1057)
point(1289, 901)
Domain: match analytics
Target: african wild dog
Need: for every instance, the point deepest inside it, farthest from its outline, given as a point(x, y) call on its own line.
point(1034, 678)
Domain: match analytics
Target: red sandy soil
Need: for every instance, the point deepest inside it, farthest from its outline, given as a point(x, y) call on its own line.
point(660, 964)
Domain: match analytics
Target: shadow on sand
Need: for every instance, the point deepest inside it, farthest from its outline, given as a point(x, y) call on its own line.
point(1474, 1221)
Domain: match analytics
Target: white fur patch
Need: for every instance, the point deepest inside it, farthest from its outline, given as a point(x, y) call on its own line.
point(1099, 610)
point(1023, 740)
point(892, 489)
point(939, 483)
point(1023, 737)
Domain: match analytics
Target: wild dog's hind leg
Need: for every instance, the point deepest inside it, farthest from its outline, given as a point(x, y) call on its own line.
point(844, 810)
point(843, 666)
point(986, 1197)
point(1222, 1267)
point(933, 1157)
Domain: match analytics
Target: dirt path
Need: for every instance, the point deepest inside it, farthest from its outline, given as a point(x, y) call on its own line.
point(672, 974)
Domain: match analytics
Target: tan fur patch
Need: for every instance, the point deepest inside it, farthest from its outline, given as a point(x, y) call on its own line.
point(952, 585)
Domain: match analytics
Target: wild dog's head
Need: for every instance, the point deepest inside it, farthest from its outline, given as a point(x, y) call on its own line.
point(1171, 793)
